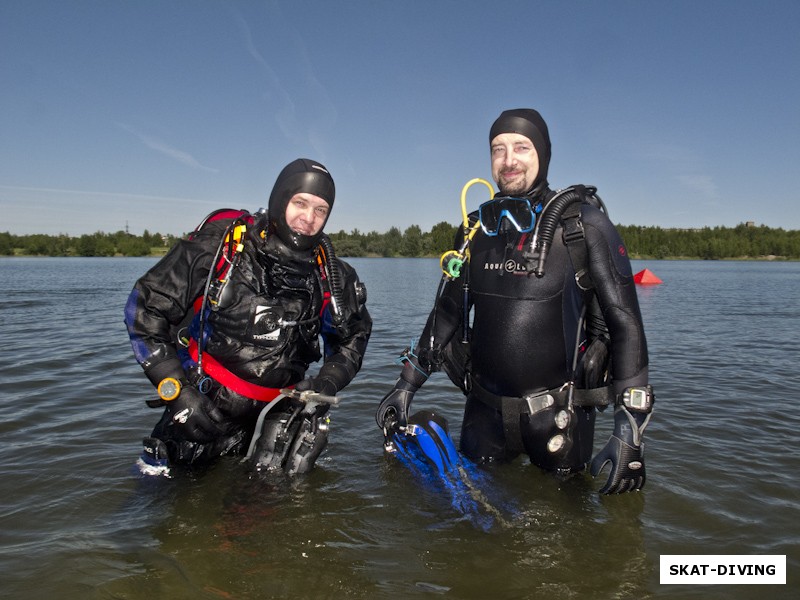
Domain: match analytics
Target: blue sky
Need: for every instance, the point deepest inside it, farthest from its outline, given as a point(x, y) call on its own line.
point(149, 114)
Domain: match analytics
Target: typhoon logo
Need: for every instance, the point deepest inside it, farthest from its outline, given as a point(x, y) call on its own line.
point(266, 324)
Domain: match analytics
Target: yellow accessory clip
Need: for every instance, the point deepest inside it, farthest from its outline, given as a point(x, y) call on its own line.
point(238, 234)
point(169, 388)
point(452, 260)
point(236, 239)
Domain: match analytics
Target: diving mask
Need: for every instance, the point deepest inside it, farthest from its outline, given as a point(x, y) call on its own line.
point(517, 211)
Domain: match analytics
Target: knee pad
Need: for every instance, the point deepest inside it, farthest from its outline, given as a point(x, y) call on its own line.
point(163, 452)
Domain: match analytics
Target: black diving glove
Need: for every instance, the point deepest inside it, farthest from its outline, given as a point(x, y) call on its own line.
point(321, 385)
point(194, 416)
point(394, 405)
point(625, 451)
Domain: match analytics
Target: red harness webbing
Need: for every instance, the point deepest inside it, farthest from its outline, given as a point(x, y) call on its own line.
point(223, 376)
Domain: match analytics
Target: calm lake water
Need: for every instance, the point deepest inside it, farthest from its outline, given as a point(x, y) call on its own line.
point(78, 520)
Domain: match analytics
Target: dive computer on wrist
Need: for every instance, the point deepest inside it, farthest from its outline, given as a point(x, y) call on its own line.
point(169, 388)
point(638, 399)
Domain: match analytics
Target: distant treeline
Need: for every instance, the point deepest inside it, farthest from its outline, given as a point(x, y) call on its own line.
point(94, 244)
point(711, 243)
point(742, 241)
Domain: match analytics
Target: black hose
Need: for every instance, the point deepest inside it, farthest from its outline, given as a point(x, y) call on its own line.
point(335, 276)
point(436, 309)
point(548, 223)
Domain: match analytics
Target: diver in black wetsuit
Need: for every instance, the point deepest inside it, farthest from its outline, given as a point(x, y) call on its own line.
point(544, 348)
point(263, 288)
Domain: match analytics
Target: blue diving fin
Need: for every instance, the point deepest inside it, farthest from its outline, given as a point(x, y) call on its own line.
point(424, 446)
point(425, 438)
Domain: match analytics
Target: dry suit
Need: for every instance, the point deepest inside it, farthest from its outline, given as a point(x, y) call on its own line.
point(263, 332)
point(538, 329)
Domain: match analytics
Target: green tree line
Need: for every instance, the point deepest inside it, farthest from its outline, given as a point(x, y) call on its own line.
point(712, 243)
point(94, 244)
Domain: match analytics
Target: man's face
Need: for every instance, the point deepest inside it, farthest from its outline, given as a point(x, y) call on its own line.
point(515, 163)
point(306, 214)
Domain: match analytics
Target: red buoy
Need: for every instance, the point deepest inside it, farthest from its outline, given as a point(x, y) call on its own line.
point(646, 277)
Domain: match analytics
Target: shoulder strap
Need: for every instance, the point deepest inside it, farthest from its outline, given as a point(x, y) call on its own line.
point(575, 240)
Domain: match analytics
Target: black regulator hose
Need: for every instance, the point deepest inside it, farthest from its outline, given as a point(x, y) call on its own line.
point(548, 222)
point(335, 276)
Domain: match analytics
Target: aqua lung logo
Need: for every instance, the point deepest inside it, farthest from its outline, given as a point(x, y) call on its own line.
point(509, 266)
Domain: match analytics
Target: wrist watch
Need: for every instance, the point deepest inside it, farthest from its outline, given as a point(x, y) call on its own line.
point(639, 399)
point(169, 388)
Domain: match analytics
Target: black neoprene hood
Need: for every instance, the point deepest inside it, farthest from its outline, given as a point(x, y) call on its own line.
point(299, 176)
point(527, 122)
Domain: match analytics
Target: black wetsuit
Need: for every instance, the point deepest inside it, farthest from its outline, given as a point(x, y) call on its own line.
point(265, 330)
point(524, 333)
